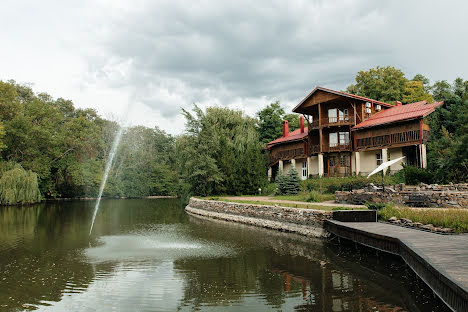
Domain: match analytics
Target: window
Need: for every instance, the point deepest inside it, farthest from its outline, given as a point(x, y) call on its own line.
point(333, 139)
point(343, 114)
point(304, 169)
point(344, 161)
point(332, 115)
point(378, 156)
point(344, 138)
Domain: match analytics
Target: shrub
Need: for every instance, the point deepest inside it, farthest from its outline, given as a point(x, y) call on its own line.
point(414, 175)
point(314, 196)
point(289, 184)
point(375, 206)
point(333, 184)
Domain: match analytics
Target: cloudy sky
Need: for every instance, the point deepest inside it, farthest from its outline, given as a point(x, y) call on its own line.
point(155, 57)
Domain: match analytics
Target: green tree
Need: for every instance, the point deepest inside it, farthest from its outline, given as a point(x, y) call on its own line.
point(289, 183)
point(385, 84)
point(293, 121)
point(447, 152)
point(414, 92)
point(221, 153)
point(270, 125)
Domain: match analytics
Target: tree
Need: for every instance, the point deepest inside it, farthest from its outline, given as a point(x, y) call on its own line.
point(270, 125)
point(447, 152)
point(221, 152)
point(385, 84)
point(18, 186)
point(293, 121)
point(414, 92)
point(289, 183)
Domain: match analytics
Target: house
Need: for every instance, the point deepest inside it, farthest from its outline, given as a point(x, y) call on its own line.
point(349, 134)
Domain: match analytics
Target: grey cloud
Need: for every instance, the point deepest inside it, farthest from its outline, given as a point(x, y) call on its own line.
point(214, 51)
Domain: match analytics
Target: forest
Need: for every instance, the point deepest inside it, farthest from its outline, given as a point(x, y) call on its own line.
point(50, 149)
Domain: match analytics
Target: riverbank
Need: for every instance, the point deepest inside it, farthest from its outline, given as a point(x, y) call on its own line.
point(439, 260)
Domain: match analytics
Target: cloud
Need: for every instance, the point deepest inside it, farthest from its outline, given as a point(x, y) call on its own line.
point(159, 56)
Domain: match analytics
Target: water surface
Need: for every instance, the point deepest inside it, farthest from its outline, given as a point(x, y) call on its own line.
point(149, 255)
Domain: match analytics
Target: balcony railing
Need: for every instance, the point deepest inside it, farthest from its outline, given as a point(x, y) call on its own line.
point(343, 120)
point(388, 139)
point(338, 147)
point(314, 149)
point(288, 154)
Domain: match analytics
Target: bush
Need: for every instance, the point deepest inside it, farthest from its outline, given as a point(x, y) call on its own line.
point(375, 206)
point(289, 184)
point(331, 185)
point(414, 175)
point(269, 189)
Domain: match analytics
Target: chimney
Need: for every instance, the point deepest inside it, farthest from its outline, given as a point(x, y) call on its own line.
point(301, 119)
point(398, 103)
point(285, 128)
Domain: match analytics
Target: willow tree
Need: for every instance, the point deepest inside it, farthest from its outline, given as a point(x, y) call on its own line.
point(221, 152)
point(18, 186)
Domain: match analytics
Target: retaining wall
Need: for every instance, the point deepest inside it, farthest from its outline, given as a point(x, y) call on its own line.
point(449, 196)
point(307, 222)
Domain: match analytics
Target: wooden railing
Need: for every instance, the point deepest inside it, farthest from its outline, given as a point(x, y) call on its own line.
point(338, 147)
point(288, 154)
point(344, 120)
point(388, 139)
point(314, 149)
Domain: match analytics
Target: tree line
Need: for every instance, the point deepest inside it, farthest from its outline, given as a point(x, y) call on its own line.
point(50, 146)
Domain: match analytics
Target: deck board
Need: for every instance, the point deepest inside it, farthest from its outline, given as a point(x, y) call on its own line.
point(440, 260)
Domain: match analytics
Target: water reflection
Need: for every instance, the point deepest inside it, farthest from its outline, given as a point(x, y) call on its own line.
point(148, 255)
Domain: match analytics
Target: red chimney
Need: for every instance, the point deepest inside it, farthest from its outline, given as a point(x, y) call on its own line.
point(301, 119)
point(398, 103)
point(285, 128)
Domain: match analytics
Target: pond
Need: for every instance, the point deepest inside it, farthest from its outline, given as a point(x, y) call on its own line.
point(149, 255)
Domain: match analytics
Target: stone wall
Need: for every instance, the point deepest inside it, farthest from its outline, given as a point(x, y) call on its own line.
point(434, 195)
point(307, 222)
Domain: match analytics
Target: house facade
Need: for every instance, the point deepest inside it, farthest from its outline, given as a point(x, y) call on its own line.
point(348, 134)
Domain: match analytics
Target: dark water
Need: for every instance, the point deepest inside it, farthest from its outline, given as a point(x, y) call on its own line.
point(149, 255)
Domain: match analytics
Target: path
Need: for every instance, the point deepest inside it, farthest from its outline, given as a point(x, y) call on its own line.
point(271, 199)
point(440, 260)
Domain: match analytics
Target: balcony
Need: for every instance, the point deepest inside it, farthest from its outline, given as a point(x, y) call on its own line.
point(339, 147)
point(388, 140)
point(288, 154)
point(338, 121)
point(314, 149)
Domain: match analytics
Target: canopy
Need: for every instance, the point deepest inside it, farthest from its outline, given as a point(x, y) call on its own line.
point(385, 165)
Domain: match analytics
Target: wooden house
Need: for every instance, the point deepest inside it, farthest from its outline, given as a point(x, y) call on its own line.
point(349, 134)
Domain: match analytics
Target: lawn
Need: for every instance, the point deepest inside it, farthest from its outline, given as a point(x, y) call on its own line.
point(258, 202)
point(456, 219)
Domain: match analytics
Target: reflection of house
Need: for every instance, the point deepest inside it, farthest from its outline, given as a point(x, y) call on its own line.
point(349, 134)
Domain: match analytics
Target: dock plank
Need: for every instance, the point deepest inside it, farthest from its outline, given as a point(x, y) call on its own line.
point(440, 260)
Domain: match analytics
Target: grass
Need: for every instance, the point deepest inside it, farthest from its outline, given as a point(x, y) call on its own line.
point(307, 197)
point(456, 219)
point(258, 202)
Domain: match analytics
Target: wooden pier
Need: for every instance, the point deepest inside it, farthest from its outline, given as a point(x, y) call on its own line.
point(441, 261)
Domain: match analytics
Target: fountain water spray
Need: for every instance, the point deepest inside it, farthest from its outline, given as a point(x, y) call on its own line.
point(110, 159)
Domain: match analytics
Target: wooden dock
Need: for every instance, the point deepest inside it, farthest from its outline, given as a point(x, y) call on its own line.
point(441, 261)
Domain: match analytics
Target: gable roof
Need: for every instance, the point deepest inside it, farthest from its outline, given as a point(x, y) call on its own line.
point(296, 135)
point(349, 95)
point(399, 113)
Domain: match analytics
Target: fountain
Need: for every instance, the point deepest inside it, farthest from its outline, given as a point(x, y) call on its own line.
point(110, 159)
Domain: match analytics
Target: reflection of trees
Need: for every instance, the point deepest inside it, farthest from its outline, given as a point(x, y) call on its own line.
point(41, 245)
point(277, 265)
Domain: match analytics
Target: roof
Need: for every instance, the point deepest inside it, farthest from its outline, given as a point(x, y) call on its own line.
point(342, 94)
point(399, 113)
point(296, 135)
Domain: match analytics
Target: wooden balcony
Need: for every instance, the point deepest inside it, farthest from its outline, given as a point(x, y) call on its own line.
point(338, 121)
point(288, 155)
point(314, 149)
point(338, 148)
point(389, 140)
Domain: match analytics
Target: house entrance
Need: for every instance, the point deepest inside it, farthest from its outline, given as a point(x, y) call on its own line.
point(337, 165)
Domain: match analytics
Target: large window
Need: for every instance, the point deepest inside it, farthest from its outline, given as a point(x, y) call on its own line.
point(344, 138)
point(343, 115)
point(333, 139)
point(332, 115)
